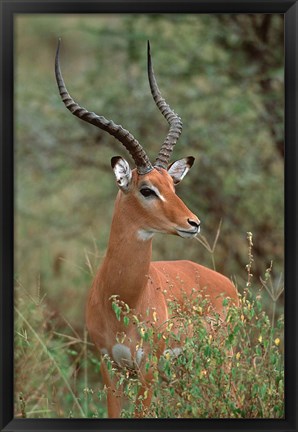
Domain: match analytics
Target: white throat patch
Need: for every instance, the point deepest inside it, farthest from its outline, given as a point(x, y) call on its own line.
point(144, 235)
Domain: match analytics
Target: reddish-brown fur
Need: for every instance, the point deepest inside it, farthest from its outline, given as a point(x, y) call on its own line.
point(127, 271)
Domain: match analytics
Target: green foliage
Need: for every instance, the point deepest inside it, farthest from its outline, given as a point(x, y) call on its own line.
point(228, 88)
point(55, 366)
point(231, 367)
point(226, 366)
point(231, 103)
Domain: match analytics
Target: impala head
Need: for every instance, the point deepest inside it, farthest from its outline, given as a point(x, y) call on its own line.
point(148, 189)
point(156, 207)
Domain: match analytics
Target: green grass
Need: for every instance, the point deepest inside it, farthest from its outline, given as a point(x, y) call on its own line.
point(231, 368)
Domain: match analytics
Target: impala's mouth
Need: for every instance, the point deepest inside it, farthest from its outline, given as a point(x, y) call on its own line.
point(188, 233)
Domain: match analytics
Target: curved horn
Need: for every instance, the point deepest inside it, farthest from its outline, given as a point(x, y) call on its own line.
point(137, 152)
point(173, 119)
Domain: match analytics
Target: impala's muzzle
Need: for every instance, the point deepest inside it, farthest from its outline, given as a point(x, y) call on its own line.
point(194, 223)
point(190, 232)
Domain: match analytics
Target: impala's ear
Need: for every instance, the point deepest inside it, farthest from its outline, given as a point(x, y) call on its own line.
point(122, 172)
point(180, 168)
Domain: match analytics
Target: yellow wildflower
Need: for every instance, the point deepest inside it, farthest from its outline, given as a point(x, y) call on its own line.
point(170, 326)
point(167, 355)
point(202, 373)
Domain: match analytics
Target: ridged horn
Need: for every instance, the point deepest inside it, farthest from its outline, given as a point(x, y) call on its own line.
point(172, 118)
point(137, 152)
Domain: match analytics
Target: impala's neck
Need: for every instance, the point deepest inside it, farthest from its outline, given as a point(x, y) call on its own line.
point(126, 265)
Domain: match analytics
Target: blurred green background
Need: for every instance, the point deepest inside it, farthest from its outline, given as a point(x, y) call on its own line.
point(223, 74)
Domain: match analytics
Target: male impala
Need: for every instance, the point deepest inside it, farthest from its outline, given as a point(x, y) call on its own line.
point(146, 204)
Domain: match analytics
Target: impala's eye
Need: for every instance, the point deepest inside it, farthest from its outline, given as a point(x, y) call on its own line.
point(146, 192)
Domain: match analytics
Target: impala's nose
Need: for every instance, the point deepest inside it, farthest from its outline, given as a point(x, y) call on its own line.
point(194, 223)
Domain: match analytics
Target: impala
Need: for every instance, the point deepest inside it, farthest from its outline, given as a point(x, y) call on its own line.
point(146, 204)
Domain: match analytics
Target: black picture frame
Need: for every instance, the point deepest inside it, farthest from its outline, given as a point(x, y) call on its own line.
point(290, 11)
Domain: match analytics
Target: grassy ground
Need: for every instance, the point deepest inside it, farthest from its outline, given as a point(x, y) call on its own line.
point(235, 370)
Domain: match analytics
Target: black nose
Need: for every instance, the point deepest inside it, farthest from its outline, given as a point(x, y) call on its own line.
point(193, 223)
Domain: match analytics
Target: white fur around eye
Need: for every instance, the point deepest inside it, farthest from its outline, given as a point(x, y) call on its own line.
point(154, 189)
point(157, 193)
